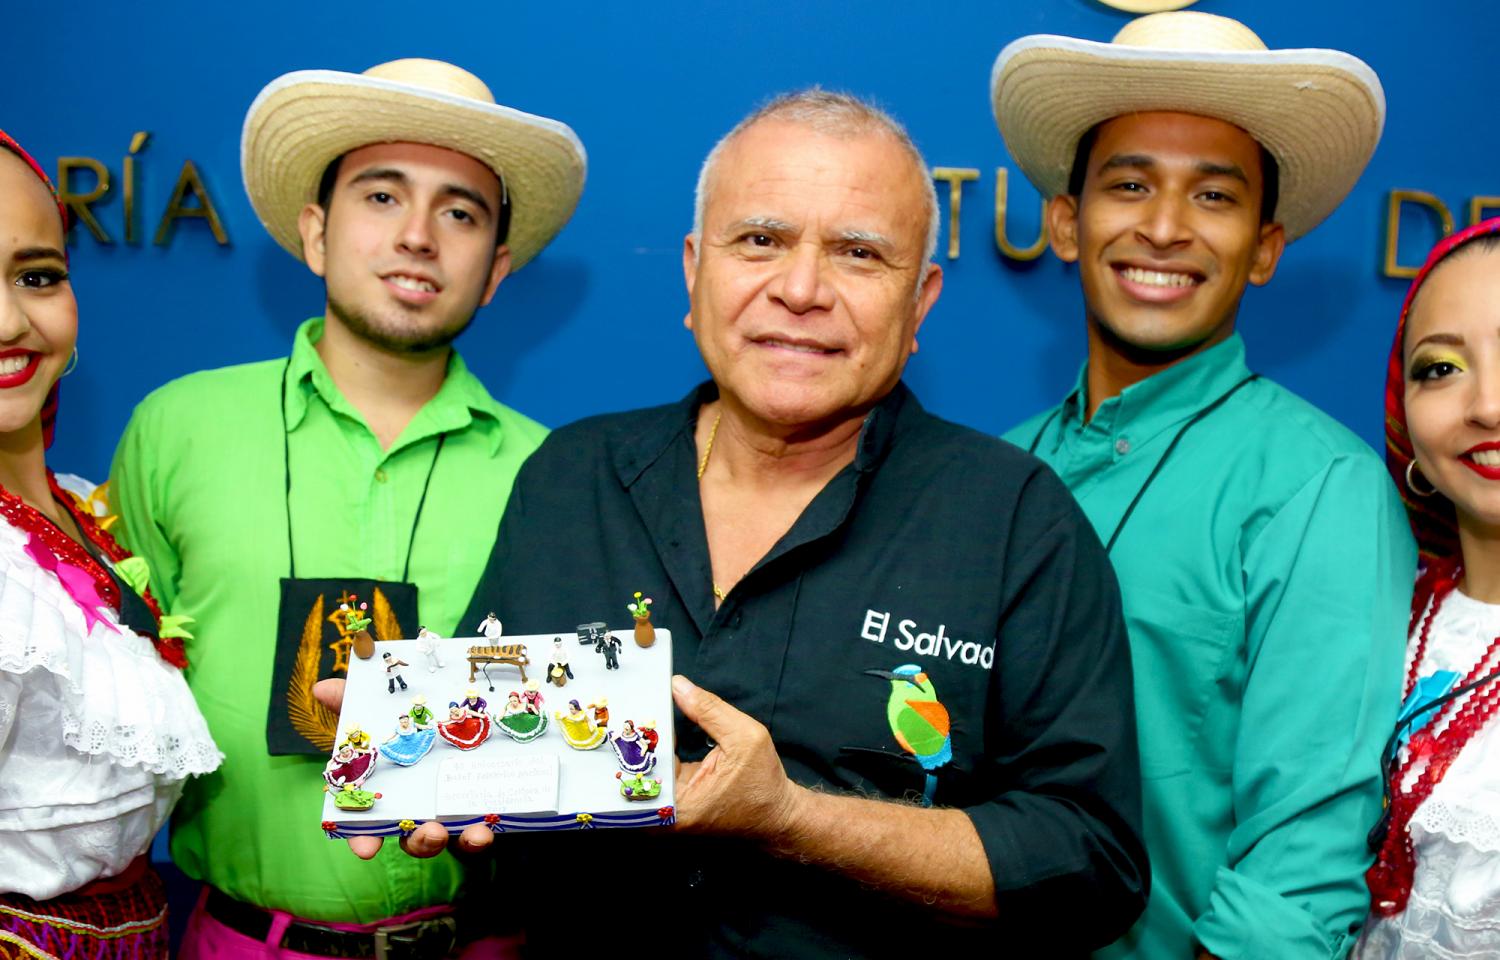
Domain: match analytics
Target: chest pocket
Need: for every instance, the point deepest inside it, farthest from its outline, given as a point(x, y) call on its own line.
point(1180, 654)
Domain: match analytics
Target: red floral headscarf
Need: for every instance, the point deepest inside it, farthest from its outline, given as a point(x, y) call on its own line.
point(1432, 518)
point(49, 406)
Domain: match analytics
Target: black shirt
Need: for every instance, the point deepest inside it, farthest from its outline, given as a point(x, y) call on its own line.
point(937, 547)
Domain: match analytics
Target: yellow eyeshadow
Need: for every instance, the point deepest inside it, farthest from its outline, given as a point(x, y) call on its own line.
point(1424, 360)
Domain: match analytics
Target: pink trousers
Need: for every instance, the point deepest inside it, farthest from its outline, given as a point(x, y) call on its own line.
point(208, 939)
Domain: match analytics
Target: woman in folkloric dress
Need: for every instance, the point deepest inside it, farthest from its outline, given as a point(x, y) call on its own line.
point(97, 728)
point(1435, 885)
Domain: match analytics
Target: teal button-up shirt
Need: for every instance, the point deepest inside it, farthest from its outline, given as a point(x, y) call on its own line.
point(1266, 575)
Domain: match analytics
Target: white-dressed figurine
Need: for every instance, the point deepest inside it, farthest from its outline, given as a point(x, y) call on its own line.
point(427, 646)
point(491, 629)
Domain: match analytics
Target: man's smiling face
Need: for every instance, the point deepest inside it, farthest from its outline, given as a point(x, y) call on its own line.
point(1166, 231)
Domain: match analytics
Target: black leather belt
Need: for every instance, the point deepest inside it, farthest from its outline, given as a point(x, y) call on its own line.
point(429, 939)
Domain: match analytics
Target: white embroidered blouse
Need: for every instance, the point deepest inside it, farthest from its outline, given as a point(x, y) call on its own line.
point(97, 734)
point(1454, 910)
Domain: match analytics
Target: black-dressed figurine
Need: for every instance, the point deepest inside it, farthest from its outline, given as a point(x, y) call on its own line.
point(609, 645)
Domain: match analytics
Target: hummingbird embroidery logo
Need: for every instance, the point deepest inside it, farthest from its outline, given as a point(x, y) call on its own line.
point(918, 721)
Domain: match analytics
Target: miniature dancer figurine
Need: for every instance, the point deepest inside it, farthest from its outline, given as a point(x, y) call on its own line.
point(409, 743)
point(609, 645)
point(558, 670)
point(578, 729)
point(428, 647)
point(491, 629)
point(464, 729)
point(349, 766)
point(393, 672)
point(601, 712)
point(531, 696)
point(421, 715)
point(519, 722)
point(472, 703)
point(631, 750)
point(649, 734)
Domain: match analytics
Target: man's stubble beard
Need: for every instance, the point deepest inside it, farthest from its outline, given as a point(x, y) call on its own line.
point(382, 337)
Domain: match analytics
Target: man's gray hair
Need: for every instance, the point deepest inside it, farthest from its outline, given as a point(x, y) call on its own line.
point(832, 113)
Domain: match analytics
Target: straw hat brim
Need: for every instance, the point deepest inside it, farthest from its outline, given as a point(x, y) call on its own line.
point(302, 121)
point(1318, 112)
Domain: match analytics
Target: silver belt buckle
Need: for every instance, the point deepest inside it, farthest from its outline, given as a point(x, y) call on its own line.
point(412, 934)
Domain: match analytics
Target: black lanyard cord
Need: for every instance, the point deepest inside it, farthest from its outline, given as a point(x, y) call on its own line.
point(286, 454)
point(1036, 441)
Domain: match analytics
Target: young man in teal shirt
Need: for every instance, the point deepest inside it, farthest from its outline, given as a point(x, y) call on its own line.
point(1263, 555)
point(369, 455)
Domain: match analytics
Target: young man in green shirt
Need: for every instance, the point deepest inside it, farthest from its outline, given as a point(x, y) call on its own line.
point(364, 465)
point(1262, 552)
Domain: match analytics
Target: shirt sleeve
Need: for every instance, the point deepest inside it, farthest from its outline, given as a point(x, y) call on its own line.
point(1328, 585)
point(134, 495)
point(1065, 830)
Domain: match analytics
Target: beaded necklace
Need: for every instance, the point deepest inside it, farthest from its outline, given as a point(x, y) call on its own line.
point(21, 515)
point(1390, 878)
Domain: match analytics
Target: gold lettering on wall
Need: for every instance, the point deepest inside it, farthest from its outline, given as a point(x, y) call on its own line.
point(137, 144)
point(1002, 190)
point(956, 177)
point(79, 202)
point(1479, 206)
point(189, 184)
point(1393, 226)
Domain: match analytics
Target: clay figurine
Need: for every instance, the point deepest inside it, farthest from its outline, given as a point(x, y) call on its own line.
point(609, 645)
point(463, 729)
point(531, 696)
point(473, 704)
point(631, 750)
point(393, 672)
point(349, 766)
point(421, 715)
point(519, 722)
point(640, 609)
point(637, 787)
point(490, 628)
point(649, 734)
point(357, 626)
point(600, 711)
point(558, 670)
point(409, 743)
point(427, 646)
point(578, 729)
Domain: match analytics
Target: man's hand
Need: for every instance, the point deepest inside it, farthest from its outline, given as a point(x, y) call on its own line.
point(740, 788)
point(429, 839)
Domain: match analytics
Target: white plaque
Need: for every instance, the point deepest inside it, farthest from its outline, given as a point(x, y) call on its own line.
point(508, 785)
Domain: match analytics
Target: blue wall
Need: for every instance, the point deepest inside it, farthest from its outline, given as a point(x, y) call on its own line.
point(649, 87)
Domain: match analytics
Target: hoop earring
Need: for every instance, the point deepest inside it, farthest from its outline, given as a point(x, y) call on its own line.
point(1413, 487)
point(72, 364)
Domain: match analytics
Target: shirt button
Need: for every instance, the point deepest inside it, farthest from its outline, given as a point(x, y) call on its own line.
point(1122, 446)
point(380, 475)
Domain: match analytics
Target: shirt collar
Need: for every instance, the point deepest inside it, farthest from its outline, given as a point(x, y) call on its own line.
point(460, 401)
point(1144, 409)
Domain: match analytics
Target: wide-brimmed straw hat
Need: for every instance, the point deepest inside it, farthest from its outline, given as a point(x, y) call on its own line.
point(304, 120)
point(1318, 112)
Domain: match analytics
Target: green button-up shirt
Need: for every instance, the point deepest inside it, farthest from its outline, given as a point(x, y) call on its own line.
point(199, 481)
point(1266, 576)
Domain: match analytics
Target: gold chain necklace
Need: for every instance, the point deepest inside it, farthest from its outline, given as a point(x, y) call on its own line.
point(708, 450)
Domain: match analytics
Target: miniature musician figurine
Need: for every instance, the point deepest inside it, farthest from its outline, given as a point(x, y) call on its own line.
point(609, 645)
point(491, 629)
point(427, 646)
point(558, 671)
point(393, 672)
point(421, 714)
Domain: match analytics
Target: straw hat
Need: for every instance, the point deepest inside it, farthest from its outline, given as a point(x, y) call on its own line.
point(1318, 112)
point(302, 121)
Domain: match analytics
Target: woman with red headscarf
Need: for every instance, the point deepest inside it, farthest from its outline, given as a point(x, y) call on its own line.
point(1435, 885)
point(97, 728)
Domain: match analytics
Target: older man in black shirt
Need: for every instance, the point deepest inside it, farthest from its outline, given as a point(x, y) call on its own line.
point(920, 734)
